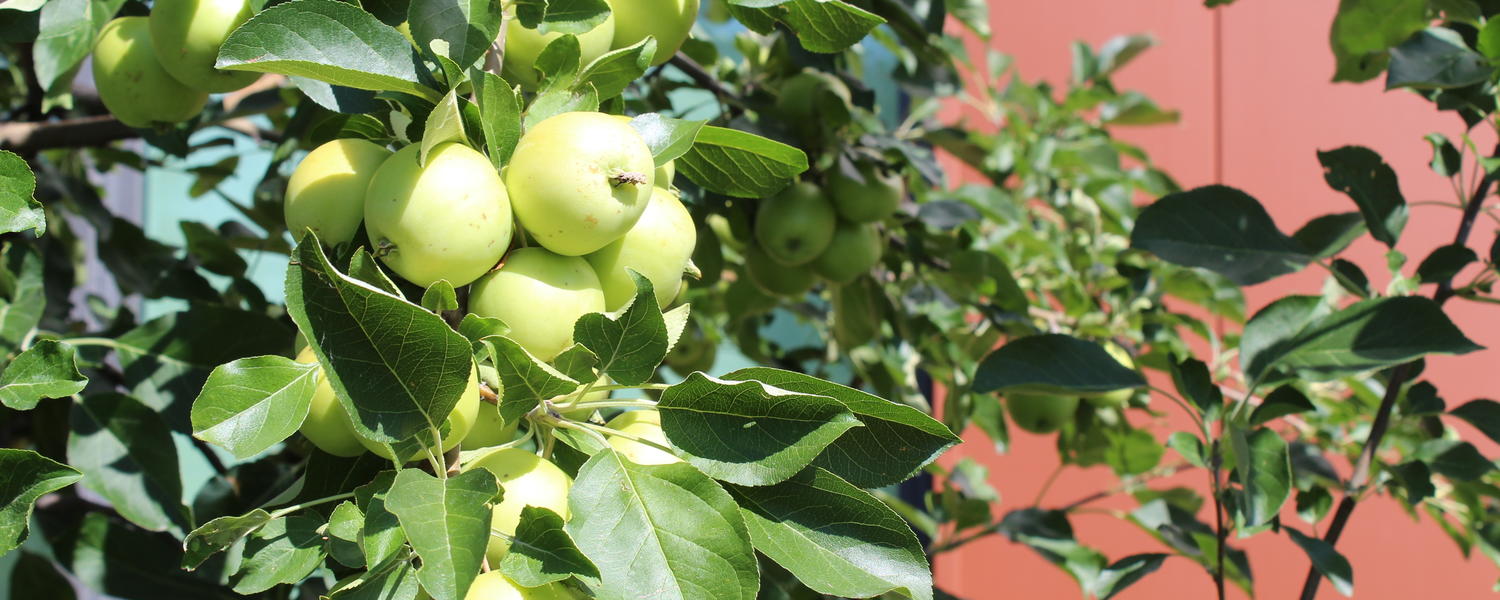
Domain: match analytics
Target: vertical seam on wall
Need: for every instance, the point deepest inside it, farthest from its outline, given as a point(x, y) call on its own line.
point(1218, 15)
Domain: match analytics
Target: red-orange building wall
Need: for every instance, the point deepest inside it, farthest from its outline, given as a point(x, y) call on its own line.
point(1252, 83)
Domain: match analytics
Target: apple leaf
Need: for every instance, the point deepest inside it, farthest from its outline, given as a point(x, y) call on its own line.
point(747, 432)
point(48, 369)
point(127, 455)
point(218, 535)
point(1326, 560)
point(1264, 469)
point(284, 550)
point(631, 345)
point(252, 404)
point(1365, 177)
point(667, 138)
point(24, 477)
point(615, 70)
point(500, 115)
point(444, 124)
point(1221, 229)
point(381, 536)
point(525, 381)
point(1053, 363)
point(467, 26)
point(19, 210)
point(542, 552)
point(21, 305)
point(448, 523)
point(739, 164)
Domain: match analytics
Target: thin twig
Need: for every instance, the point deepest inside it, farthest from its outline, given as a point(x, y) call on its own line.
point(701, 76)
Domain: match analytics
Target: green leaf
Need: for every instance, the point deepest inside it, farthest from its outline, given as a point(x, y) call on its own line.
point(284, 550)
point(113, 558)
point(667, 138)
point(1483, 414)
point(1264, 469)
point(631, 346)
point(209, 249)
point(1350, 277)
point(1328, 235)
point(569, 16)
point(1195, 383)
point(1190, 447)
point(448, 523)
point(344, 528)
point(836, 538)
point(1053, 363)
point(1133, 452)
point(444, 124)
point(1436, 57)
point(542, 552)
point(614, 71)
point(1461, 461)
point(394, 580)
point(363, 267)
point(1446, 160)
point(467, 27)
point(500, 114)
point(746, 432)
point(34, 576)
point(1283, 401)
point(1445, 262)
point(1365, 177)
point(1221, 229)
point(824, 26)
point(1415, 477)
point(48, 369)
point(1125, 572)
point(251, 404)
point(127, 455)
point(558, 64)
point(167, 360)
point(739, 164)
point(525, 380)
point(664, 528)
point(1326, 560)
point(558, 100)
point(905, 438)
point(476, 328)
point(396, 368)
point(1363, 31)
point(1364, 336)
point(24, 296)
point(382, 535)
point(440, 296)
point(24, 477)
point(19, 210)
point(64, 37)
point(352, 49)
point(218, 535)
point(578, 363)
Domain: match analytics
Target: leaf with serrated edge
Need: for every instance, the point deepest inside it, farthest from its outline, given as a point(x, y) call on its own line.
point(541, 551)
point(739, 164)
point(24, 477)
point(631, 346)
point(254, 403)
point(284, 550)
point(836, 538)
point(667, 138)
point(747, 432)
point(19, 209)
point(448, 523)
point(667, 531)
point(525, 380)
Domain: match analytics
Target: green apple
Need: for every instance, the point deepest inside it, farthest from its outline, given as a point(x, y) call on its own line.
point(724, 231)
point(523, 46)
point(796, 225)
point(327, 191)
point(855, 248)
point(490, 429)
point(644, 424)
point(525, 480)
point(658, 247)
point(187, 35)
point(448, 219)
point(693, 352)
point(460, 421)
point(327, 425)
point(132, 83)
point(539, 295)
point(1121, 397)
point(873, 199)
point(801, 93)
point(494, 585)
point(776, 278)
point(664, 173)
point(579, 181)
point(669, 21)
point(1040, 413)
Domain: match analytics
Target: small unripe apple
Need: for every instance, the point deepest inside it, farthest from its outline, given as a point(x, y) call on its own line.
point(693, 352)
point(776, 278)
point(460, 421)
point(327, 425)
point(644, 424)
point(658, 247)
point(796, 225)
point(579, 181)
point(855, 248)
point(490, 429)
point(132, 83)
point(801, 93)
point(525, 480)
point(495, 586)
point(327, 191)
point(540, 295)
point(1040, 413)
point(1121, 397)
point(187, 36)
point(873, 199)
point(669, 21)
point(523, 46)
point(449, 219)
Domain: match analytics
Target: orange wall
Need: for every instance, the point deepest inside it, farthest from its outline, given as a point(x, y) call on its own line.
point(1257, 104)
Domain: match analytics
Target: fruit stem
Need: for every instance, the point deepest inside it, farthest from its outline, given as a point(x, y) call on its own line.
point(282, 512)
point(623, 177)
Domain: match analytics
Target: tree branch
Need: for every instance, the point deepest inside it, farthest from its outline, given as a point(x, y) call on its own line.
point(30, 137)
point(1362, 467)
point(700, 76)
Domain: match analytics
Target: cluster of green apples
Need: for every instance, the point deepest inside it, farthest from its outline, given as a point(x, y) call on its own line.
point(159, 70)
point(805, 232)
point(629, 22)
point(1046, 413)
